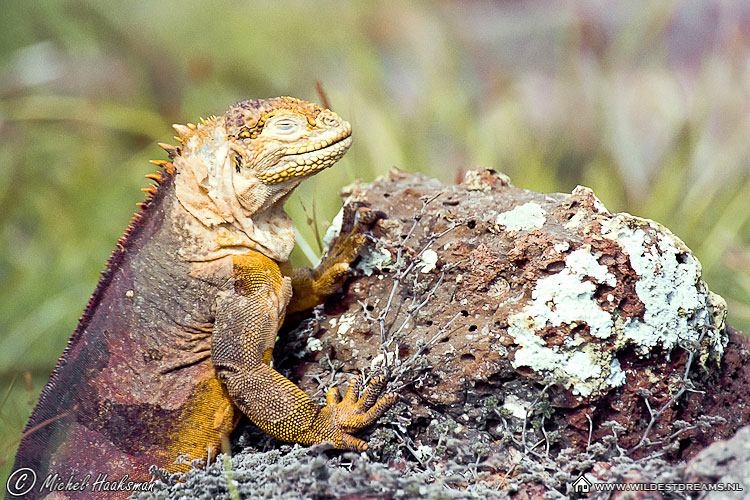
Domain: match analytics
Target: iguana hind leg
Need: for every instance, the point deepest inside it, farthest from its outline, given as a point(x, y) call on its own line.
point(247, 320)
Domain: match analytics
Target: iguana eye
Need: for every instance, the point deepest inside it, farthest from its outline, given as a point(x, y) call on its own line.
point(284, 126)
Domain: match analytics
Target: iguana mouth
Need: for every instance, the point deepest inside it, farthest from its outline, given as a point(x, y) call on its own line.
point(307, 161)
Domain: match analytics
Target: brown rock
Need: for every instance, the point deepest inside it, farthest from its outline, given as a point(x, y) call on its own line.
point(514, 320)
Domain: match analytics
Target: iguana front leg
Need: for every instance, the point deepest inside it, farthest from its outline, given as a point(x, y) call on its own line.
point(248, 316)
point(313, 286)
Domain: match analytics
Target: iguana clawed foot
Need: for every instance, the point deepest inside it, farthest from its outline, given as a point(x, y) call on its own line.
point(312, 286)
point(356, 221)
point(338, 419)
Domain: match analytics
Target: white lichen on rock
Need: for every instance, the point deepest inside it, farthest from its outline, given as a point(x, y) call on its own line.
point(568, 296)
point(373, 259)
point(314, 344)
point(429, 260)
point(527, 217)
point(616, 374)
point(516, 406)
point(580, 365)
point(565, 298)
point(678, 306)
point(345, 323)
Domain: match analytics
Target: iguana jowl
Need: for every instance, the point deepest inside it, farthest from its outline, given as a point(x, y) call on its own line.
point(180, 329)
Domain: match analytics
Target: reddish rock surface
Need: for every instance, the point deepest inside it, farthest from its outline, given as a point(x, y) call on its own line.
point(524, 323)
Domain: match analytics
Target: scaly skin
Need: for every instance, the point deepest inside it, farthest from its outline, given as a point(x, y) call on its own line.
point(180, 329)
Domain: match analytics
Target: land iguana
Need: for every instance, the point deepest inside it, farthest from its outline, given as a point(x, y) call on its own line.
point(178, 335)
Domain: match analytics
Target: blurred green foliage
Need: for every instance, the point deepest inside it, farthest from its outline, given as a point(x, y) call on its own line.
point(645, 102)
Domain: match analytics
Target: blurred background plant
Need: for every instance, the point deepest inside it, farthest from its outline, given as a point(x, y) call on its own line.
point(646, 102)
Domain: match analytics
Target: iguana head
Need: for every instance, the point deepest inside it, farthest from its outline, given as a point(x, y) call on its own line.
point(234, 172)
